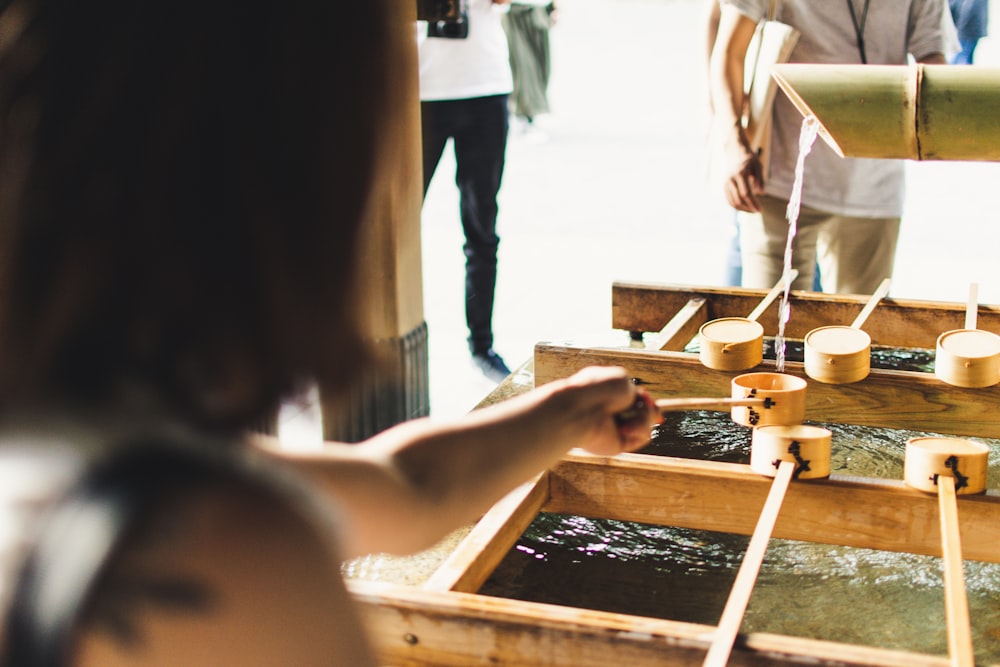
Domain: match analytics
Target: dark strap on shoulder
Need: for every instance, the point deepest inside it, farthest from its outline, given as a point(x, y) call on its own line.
point(80, 537)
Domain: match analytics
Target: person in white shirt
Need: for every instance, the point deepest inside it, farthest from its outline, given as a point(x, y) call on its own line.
point(465, 85)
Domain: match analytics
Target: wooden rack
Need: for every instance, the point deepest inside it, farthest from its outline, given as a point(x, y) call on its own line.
point(447, 623)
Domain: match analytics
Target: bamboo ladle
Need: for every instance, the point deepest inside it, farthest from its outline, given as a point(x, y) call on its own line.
point(783, 452)
point(968, 357)
point(841, 354)
point(737, 343)
point(681, 404)
point(665, 405)
point(932, 464)
point(758, 398)
point(786, 395)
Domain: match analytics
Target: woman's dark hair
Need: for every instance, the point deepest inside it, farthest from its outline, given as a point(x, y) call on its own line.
point(181, 185)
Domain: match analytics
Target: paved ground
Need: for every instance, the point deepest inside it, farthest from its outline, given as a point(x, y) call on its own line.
point(613, 188)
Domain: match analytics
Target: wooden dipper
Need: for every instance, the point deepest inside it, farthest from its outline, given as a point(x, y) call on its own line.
point(781, 452)
point(839, 354)
point(786, 396)
point(968, 357)
point(737, 343)
point(808, 447)
point(950, 467)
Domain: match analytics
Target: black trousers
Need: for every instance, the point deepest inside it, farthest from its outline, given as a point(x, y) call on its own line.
point(478, 128)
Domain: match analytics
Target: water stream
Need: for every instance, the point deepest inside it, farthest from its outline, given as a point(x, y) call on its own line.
point(807, 136)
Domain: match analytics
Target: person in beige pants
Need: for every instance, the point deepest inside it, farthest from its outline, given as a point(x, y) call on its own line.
point(851, 207)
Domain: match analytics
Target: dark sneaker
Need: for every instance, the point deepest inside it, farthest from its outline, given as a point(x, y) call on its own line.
point(491, 364)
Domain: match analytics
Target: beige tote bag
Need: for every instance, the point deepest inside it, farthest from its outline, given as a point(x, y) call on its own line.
point(771, 44)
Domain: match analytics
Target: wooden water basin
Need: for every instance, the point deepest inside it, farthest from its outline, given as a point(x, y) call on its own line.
point(445, 622)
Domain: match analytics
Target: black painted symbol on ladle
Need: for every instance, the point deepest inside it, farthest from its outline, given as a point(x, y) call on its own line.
point(802, 465)
point(961, 481)
point(752, 415)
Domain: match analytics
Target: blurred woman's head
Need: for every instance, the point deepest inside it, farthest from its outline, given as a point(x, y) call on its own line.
point(180, 189)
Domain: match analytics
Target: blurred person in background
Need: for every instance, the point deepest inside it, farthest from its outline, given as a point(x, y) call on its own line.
point(971, 20)
point(465, 85)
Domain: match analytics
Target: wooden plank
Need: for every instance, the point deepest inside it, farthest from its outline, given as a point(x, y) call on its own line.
point(956, 602)
point(471, 563)
point(895, 323)
point(727, 497)
point(418, 628)
point(889, 399)
point(682, 327)
point(746, 576)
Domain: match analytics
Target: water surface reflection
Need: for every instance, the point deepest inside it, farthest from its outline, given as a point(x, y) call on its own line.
point(845, 594)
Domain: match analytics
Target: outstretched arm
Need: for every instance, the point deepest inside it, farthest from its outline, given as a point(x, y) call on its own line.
point(406, 488)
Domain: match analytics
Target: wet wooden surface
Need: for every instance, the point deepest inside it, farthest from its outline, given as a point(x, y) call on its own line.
point(418, 628)
point(889, 399)
point(894, 323)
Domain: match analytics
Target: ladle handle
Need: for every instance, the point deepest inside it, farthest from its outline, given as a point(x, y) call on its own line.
point(879, 294)
point(779, 287)
point(679, 404)
point(972, 306)
point(955, 599)
point(746, 577)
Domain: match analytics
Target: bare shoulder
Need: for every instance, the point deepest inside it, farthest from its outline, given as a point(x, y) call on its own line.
point(226, 574)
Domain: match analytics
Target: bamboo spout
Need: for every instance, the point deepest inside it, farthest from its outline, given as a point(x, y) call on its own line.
point(916, 112)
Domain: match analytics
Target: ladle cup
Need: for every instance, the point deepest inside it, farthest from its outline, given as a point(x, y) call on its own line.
point(841, 354)
point(782, 452)
point(968, 357)
point(737, 343)
point(785, 396)
point(808, 447)
point(950, 467)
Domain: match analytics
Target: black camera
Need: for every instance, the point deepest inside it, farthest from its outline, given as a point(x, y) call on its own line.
point(445, 18)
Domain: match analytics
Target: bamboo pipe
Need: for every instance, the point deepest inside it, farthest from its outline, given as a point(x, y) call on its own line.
point(916, 112)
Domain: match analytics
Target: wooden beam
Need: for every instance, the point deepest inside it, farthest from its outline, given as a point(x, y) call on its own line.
point(895, 323)
point(682, 327)
point(728, 497)
point(418, 628)
point(888, 399)
point(475, 558)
